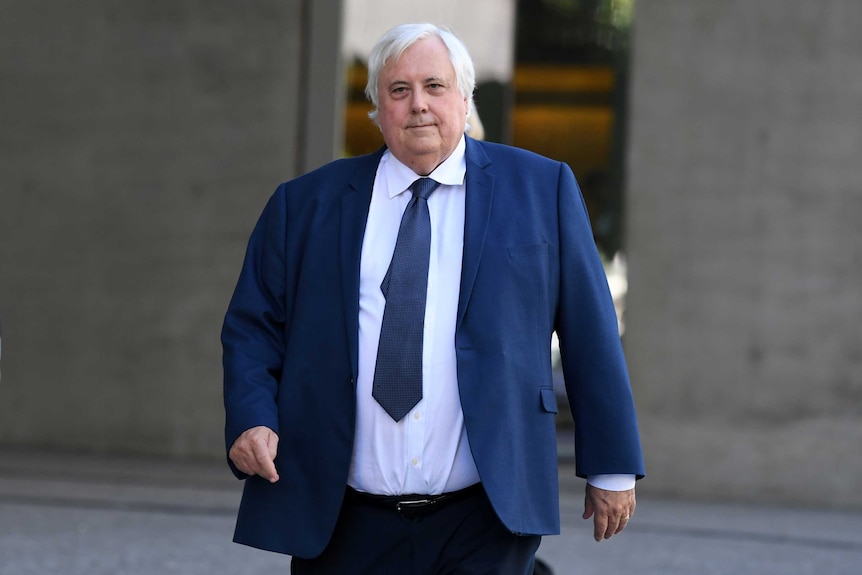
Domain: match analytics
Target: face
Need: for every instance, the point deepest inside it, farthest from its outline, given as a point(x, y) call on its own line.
point(421, 110)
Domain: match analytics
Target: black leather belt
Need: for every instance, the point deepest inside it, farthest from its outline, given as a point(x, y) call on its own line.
point(413, 505)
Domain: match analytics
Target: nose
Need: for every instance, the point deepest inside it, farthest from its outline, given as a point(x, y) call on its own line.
point(419, 102)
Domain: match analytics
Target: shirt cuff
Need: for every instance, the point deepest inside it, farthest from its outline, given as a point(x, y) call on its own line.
point(612, 481)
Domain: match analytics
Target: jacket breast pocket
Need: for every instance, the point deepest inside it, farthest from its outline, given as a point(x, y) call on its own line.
point(528, 266)
point(530, 255)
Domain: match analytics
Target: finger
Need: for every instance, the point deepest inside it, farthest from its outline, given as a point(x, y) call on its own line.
point(264, 462)
point(239, 457)
point(613, 524)
point(254, 451)
point(600, 527)
point(624, 520)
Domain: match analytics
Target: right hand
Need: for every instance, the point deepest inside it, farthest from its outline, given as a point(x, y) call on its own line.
point(254, 452)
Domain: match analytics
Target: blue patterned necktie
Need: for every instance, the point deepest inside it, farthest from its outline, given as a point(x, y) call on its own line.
point(398, 371)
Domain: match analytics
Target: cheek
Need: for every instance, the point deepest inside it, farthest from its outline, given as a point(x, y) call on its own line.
point(387, 120)
point(458, 116)
point(394, 116)
point(459, 111)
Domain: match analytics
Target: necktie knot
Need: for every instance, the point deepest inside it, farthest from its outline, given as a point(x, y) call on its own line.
point(423, 187)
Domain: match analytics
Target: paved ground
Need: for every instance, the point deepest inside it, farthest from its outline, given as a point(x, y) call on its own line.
point(68, 515)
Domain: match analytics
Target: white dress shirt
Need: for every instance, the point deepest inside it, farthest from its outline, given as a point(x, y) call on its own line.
point(389, 457)
point(427, 452)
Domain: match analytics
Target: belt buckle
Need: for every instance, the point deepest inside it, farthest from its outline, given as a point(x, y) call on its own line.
point(412, 504)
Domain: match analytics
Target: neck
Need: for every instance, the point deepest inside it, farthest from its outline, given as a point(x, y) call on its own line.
point(424, 166)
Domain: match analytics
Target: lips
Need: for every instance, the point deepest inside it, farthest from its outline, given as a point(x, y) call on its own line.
point(422, 125)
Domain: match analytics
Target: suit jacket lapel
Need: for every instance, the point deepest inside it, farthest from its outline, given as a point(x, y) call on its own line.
point(354, 213)
point(480, 193)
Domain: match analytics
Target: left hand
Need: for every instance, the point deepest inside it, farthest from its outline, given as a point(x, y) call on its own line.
point(611, 510)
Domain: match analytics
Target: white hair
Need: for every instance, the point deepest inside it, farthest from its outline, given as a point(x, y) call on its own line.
point(394, 43)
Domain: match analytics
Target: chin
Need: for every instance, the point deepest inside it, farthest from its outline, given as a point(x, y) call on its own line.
point(423, 151)
point(423, 144)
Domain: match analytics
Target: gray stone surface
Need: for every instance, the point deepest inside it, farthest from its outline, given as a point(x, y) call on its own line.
point(140, 141)
point(82, 515)
point(744, 248)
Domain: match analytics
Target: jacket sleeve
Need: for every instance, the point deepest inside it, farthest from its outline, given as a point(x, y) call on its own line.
point(253, 331)
point(594, 368)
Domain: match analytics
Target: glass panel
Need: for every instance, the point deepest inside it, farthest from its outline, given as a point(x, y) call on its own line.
point(571, 65)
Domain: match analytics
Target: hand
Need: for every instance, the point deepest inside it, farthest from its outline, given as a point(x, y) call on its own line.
point(254, 452)
point(612, 510)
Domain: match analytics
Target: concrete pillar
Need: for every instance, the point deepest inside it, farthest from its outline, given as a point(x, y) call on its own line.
point(744, 217)
point(324, 91)
point(140, 141)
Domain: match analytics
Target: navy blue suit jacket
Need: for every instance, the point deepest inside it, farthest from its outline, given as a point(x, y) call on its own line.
point(530, 266)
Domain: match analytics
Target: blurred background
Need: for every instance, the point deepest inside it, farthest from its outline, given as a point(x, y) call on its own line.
point(717, 144)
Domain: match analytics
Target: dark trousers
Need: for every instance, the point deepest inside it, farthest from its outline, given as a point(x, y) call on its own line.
point(461, 538)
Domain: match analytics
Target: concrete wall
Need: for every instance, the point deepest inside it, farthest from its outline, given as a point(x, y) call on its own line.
point(140, 140)
point(745, 248)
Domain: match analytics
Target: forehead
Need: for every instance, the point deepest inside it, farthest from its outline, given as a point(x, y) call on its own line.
point(427, 57)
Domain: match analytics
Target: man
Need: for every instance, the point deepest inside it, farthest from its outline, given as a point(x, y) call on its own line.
point(459, 475)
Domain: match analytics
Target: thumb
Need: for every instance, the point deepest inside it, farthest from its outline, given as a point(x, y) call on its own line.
point(272, 446)
point(588, 508)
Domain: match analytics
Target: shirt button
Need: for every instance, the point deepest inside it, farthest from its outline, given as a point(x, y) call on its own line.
point(417, 416)
point(415, 461)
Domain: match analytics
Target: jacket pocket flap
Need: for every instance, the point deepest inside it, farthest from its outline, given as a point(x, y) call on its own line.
point(549, 399)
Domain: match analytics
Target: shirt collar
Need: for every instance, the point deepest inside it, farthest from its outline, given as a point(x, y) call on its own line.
point(450, 173)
